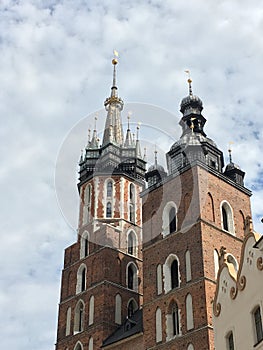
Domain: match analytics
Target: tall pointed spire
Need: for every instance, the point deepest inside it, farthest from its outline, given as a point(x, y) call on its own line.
point(138, 145)
point(94, 141)
point(128, 140)
point(113, 127)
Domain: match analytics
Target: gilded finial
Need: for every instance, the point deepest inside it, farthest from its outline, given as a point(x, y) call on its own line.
point(189, 81)
point(115, 58)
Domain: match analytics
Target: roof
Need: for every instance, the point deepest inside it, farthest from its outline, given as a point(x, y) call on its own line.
point(130, 326)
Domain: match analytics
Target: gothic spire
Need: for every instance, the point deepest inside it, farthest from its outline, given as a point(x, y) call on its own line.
point(128, 140)
point(113, 132)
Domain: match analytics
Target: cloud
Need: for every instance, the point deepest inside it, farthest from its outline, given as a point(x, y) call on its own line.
point(56, 68)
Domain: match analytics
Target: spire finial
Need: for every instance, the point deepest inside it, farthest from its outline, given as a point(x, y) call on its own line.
point(114, 62)
point(137, 133)
point(189, 82)
point(145, 154)
point(230, 151)
point(95, 121)
point(155, 156)
point(89, 131)
point(128, 118)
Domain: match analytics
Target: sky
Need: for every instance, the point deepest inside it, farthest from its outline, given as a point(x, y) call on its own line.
point(55, 73)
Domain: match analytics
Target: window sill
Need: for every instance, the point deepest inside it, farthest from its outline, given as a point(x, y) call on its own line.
point(256, 346)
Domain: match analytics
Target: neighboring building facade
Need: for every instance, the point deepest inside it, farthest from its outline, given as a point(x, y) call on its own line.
point(238, 303)
point(143, 271)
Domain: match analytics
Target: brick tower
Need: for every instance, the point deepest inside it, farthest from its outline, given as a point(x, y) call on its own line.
point(178, 225)
point(188, 215)
point(102, 275)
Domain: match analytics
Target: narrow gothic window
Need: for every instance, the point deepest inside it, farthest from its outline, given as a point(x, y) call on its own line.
point(230, 342)
point(91, 310)
point(109, 188)
point(132, 307)
point(118, 302)
point(83, 280)
point(172, 220)
point(159, 279)
point(225, 221)
point(132, 243)
point(188, 266)
point(86, 247)
point(189, 312)
point(175, 319)
point(158, 325)
point(132, 213)
point(258, 324)
point(79, 317)
point(91, 344)
point(174, 274)
point(68, 321)
point(227, 218)
point(132, 192)
point(108, 210)
point(130, 277)
point(78, 346)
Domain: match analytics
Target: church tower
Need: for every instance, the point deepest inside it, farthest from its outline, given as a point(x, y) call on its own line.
point(102, 274)
point(188, 215)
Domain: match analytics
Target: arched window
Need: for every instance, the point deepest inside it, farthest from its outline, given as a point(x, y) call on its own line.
point(91, 343)
point(172, 321)
point(159, 281)
point(189, 312)
point(132, 276)
point(108, 210)
point(227, 217)
point(171, 273)
point(174, 274)
point(132, 243)
point(68, 321)
point(190, 347)
point(81, 278)
point(91, 310)
point(230, 341)
point(225, 220)
point(132, 193)
point(158, 325)
point(188, 266)
point(84, 245)
point(169, 218)
point(87, 203)
point(79, 317)
point(132, 307)
point(118, 302)
point(175, 318)
point(109, 189)
point(132, 203)
point(172, 220)
point(132, 213)
point(258, 324)
point(78, 346)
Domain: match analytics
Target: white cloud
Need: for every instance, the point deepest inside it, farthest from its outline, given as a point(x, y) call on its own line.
point(55, 69)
